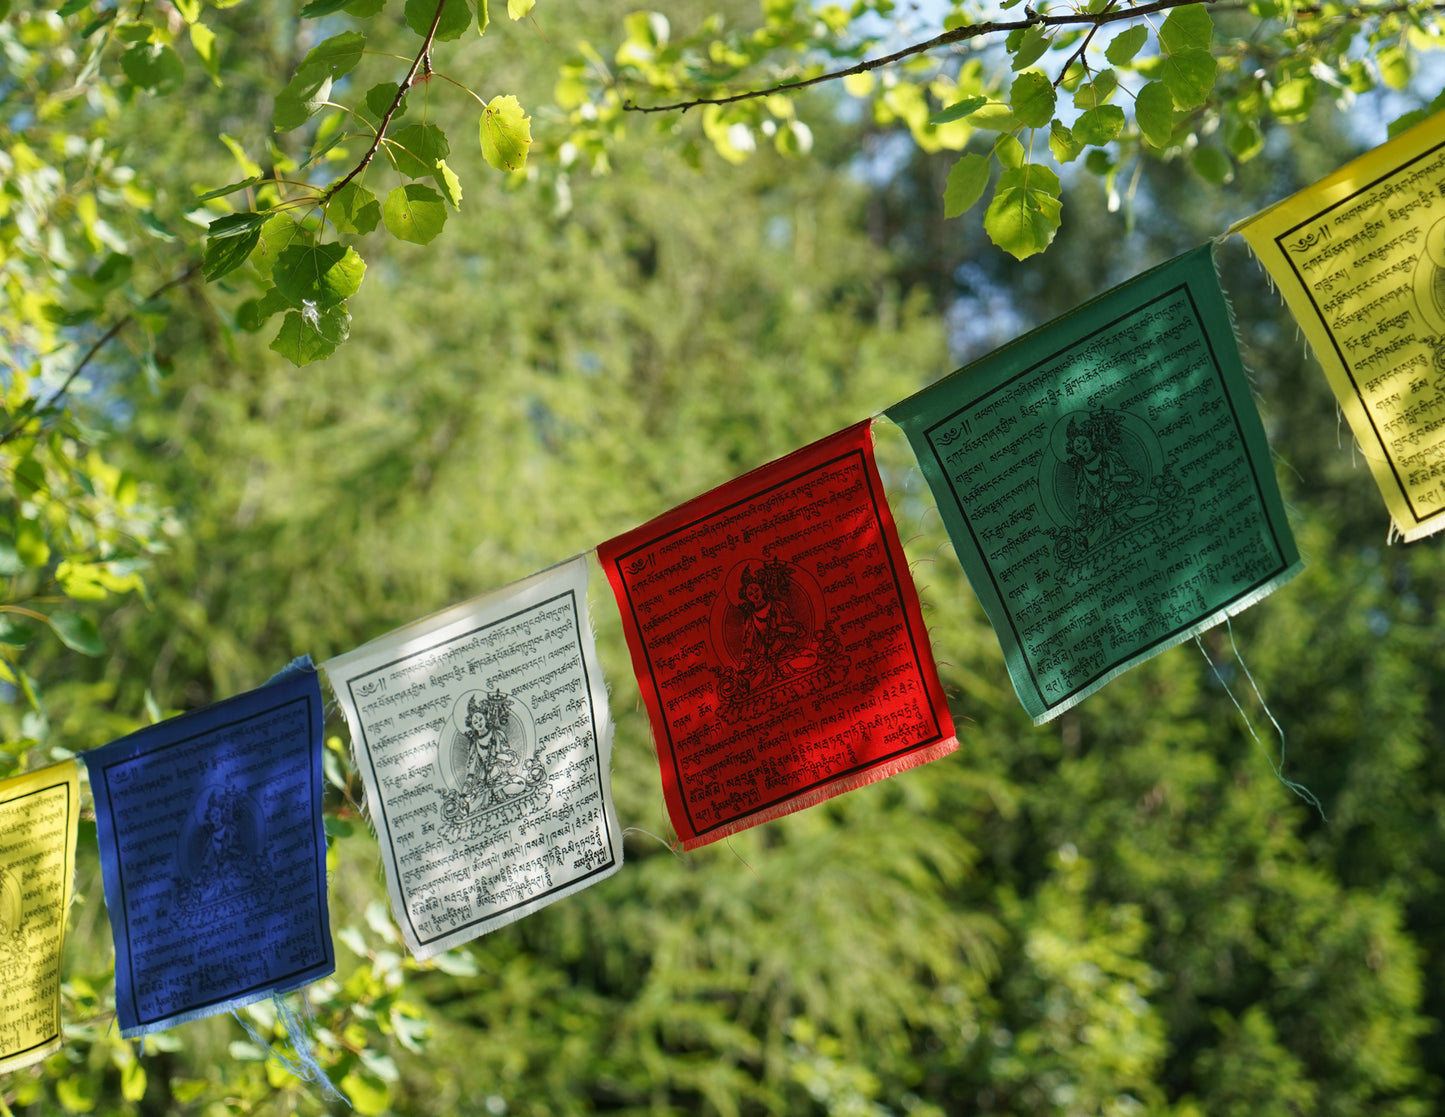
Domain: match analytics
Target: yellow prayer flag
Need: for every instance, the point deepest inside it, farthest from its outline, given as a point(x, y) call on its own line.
point(1360, 260)
point(38, 814)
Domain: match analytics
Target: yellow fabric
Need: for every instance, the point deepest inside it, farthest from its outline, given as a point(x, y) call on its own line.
point(38, 814)
point(1360, 259)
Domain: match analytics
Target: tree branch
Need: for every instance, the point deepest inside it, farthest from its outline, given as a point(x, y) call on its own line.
point(99, 344)
point(421, 62)
point(1032, 19)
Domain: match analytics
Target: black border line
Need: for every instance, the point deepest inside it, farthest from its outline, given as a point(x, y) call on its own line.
point(148, 754)
point(65, 871)
point(1330, 333)
point(987, 564)
point(571, 596)
point(755, 494)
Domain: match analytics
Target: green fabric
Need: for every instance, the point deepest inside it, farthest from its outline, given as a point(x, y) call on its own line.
point(1106, 482)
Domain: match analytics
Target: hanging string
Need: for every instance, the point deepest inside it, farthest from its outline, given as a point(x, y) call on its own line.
point(298, 1034)
point(1278, 769)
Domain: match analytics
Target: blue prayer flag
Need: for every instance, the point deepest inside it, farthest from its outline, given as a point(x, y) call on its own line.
point(213, 854)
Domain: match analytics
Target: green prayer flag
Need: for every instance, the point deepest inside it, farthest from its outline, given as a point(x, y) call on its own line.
point(1106, 482)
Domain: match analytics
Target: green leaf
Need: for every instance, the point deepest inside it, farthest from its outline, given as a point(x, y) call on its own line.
point(1099, 126)
point(1024, 213)
point(302, 99)
point(29, 478)
point(1186, 28)
point(1125, 45)
point(365, 9)
point(506, 134)
point(1190, 77)
point(456, 17)
point(994, 117)
point(30, 543)
point(1396, 67)
point(414, 213)
point(354, 209)
point(203, 39)
point(252, 314)
point(226, 254)
point(236, 224)
point(1212, 164)
point(1097, 92)
point(76, 1092)
point(324, 274)
point(222, 191)
point(1154, 112)
point(337, 56)
point(77, 633)
point(369, 1095)
point(153, 66)
point(310, 334)
point(484, 17)
point(1027, 46)
point(310, 87)
point(133, 1081)
point(1292, 100)
point(449, 184)
point(416, 149)
point(318, 8)
point(958, 110)
point(380, 97)
point(1032, 99)
point(518, 9)
point(1010, 152)
point(1243, 138)
point(966, 182)
point(1062, 143)
point(70, 7)
point(276, 236)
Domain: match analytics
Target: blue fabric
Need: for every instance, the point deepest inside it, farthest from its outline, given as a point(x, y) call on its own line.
point(213, 854)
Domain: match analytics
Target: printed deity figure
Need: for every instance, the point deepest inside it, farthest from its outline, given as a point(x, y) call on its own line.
point(1107, 487)
point(490, 759)
point(774, 644)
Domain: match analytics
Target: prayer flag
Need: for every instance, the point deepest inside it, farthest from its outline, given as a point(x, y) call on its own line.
point(1106, 483)
point(778, 642)
point(484, 741)
point(38, 814)
point(1360, 260)
point(213, 854)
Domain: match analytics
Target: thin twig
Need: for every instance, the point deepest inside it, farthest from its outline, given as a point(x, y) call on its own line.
point(1033, 19)
point(1078, 55)
point(100, 343)
point(422, 62)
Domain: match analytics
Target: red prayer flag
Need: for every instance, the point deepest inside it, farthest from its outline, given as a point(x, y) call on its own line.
point(777, 640)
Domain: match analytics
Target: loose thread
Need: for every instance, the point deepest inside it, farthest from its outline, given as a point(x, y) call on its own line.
point(660, 841)
point(1298, 788)
point(304, 1065)
point(743, 859)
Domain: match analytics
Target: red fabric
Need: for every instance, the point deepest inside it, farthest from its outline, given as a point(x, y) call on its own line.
point(777, 640)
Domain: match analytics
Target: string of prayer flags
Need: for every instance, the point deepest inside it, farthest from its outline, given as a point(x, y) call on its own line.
point(1106, 483)
point(38, 815)
point(1360, 260)
point(213, 854)
point(778, 641)
point(484, 742)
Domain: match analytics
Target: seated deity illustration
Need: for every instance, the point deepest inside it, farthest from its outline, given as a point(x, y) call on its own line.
point(12, 933)
point(1104, 479)
point(771, 624)
point(489, 760)
point(1429, 286)
point(222, 850)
